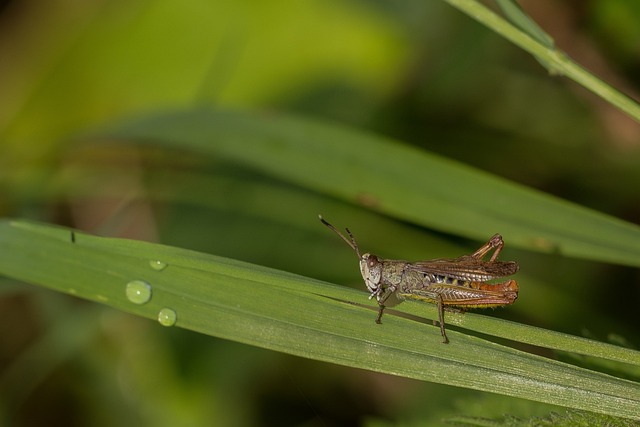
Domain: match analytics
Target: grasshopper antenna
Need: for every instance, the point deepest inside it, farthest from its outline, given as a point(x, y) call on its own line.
point(351, 242)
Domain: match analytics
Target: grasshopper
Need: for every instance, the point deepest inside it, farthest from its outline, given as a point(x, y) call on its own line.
point(459, 283)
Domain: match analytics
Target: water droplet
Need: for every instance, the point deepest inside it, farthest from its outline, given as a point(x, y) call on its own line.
point(167, 317)
point(158, 265)
point(138, 291)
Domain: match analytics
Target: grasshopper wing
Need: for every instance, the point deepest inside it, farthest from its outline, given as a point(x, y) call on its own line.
point(466, 268)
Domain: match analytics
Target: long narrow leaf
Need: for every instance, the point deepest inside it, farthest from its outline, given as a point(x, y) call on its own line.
point(555, 60)
point(393, 178)
point(293, 314)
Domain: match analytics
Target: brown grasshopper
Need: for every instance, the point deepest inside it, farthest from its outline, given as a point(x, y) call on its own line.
point(460, 282)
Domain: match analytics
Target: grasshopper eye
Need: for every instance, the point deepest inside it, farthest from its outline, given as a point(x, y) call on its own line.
point(372, 261)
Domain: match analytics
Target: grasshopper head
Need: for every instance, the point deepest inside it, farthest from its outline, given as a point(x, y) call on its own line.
point(370, 265)
point(371, 269)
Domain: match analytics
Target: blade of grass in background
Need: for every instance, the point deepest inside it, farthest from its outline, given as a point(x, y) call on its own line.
point(555, 60)
point(293, 314)
point(392, 178)
point(515, 14)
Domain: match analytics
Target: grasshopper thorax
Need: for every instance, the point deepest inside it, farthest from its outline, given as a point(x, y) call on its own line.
point(371, 270)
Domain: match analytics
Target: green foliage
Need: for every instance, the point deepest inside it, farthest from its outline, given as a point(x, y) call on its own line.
point(392, 178)
point(567, 419)
point(248, 187)
point(304, 317)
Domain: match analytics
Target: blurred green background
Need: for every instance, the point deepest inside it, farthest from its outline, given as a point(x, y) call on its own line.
point(417, 71)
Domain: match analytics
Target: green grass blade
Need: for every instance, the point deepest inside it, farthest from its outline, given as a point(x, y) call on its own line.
point(555, 60)
point(515, 14)
point(393, 178)
point(296, 315)
point(532, 335)
point(567, 419)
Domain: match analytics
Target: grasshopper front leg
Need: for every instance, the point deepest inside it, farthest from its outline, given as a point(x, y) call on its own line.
point(440, 303)
point(433, 296)
point(382, 296)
